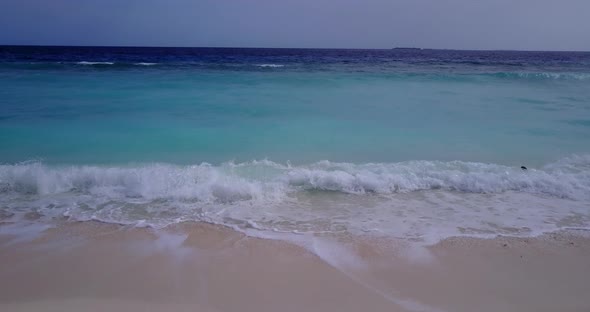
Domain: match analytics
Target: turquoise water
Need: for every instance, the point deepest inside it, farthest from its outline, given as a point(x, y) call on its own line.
point(418, 144)
point(189, 116)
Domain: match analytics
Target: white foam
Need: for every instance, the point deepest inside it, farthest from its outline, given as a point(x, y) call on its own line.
point(94, 63)
point(145, 64)
point(271, 65)
point(159, 181)
point(265, 180)
point(453, 176)
point(554, 75)
point(416, 200)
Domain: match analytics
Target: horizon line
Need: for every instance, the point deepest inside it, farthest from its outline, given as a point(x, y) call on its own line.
point(285, 48)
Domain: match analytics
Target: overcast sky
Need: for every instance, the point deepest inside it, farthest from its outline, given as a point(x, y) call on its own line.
point(458, 24)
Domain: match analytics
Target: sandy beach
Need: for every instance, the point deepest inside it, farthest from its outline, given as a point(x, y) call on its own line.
point(92, 266)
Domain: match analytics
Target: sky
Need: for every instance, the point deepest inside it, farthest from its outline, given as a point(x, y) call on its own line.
point(448, 24)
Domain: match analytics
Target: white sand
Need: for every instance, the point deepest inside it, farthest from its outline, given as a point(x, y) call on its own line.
point(88, 266)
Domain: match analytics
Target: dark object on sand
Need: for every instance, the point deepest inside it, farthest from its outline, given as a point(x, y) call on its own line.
point(523, 168)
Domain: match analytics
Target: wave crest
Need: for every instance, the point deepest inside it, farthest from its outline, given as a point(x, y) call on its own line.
point(202, 182)
point(269, 181)
point(271, 65)
point(95, 63)
point(543, 75)
point(568, 178)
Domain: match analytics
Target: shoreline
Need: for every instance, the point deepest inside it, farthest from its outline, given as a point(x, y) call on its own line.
point(196, 266)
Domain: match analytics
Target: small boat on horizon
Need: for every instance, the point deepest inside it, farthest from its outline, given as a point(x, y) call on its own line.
point(407, 49)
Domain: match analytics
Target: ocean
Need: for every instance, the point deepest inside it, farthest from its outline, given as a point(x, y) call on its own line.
point(405, 143)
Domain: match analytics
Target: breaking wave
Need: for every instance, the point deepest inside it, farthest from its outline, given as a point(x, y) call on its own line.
point(95, 63)
point(543, 75)
point(419, 200)
point(269, 181)
point(465, 74)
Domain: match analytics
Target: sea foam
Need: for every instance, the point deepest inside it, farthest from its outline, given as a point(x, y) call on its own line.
point(95, 63)
point(417, 200)
point(266, 180)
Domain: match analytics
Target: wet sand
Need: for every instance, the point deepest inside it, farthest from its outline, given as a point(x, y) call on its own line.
point(91, 266)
